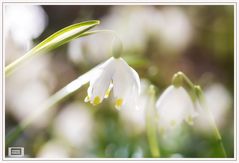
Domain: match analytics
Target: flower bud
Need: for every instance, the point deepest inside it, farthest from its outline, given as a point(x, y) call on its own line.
point(177, 79)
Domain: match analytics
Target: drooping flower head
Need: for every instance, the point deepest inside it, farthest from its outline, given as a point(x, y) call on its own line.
point(174, 106)
point(114, 74)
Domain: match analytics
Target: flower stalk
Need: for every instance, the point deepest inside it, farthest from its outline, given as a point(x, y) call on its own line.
point(216, 132)
point(117, 47)
point(151, 124)
point(180, 79)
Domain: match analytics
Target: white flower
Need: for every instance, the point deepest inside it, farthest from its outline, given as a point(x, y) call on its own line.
point(134, 119)
point(74, 120)
point(219, 108)
point(174, 106)
point(25, 22)
point(114, 74)
point(54, 149)
point(164, 27)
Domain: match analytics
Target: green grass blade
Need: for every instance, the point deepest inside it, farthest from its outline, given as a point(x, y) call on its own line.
point(55, 40)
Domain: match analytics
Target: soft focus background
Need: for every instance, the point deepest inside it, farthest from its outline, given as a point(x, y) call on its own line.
point(158, 41)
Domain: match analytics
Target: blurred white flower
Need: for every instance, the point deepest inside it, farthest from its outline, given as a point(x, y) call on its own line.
point(12, 50)
point(176, 155)
point(174, 106)
point(25, 22)
point(173, 28)
point(75, 125)
point(54, 149)
point(221, 105)
point(75, 52)
point(129, 23)
point(134, 118)
point(219, 101)
point(135, 24)
point(138, 153)
point(28, 88)
point(93, 48)
point(114, 74)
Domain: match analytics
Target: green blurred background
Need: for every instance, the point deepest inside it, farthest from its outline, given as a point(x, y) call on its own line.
point(158, 41)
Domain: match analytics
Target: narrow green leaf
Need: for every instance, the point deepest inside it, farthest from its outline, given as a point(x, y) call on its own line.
point(55, 40)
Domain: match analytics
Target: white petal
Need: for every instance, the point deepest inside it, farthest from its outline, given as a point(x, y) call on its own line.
point(174, 106)
point(100, 82)
point(108, 90)
point(136, 80)
point(126, 83)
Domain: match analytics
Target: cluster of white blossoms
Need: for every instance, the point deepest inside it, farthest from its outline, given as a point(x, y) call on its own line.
point(114, 74)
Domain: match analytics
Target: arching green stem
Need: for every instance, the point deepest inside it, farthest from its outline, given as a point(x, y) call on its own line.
point(180, 79)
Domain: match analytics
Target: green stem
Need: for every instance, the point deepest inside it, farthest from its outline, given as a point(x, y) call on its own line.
point(151, 126)
point(178, 80)
point(216, 132)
